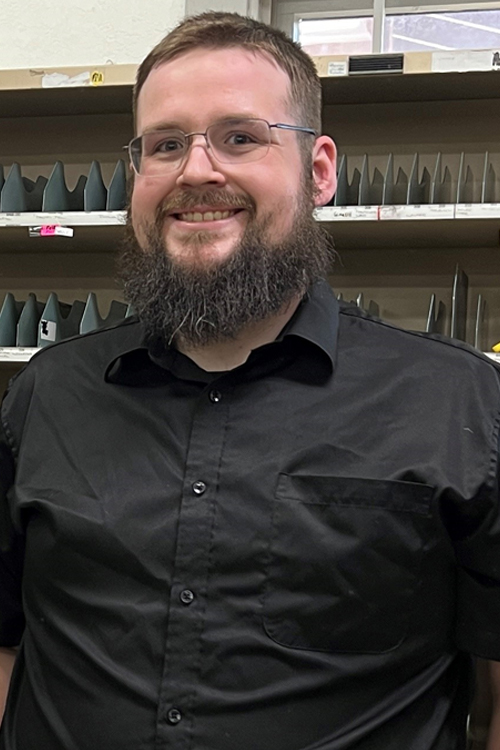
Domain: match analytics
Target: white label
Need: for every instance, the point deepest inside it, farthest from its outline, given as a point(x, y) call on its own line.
point(16, 354)
point(337, 68)
point(464, 61)
point(347, 213)
point(48, 330)
point(477, 211)
point(64, 231)
point(61, 80)
point(388, 213)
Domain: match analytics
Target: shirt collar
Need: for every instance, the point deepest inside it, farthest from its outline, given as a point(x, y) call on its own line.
point(315, 321)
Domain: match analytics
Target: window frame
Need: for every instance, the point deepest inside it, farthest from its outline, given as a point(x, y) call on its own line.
point(288, 13)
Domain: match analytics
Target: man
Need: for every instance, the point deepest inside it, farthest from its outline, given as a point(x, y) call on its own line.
point(246, 519)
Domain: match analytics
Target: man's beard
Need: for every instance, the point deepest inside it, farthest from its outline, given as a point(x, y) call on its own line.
point(205, 304)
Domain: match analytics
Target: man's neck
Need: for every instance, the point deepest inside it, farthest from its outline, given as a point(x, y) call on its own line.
point(226, 355)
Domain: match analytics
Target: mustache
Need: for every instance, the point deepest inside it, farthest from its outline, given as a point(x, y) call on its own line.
point(184, 200)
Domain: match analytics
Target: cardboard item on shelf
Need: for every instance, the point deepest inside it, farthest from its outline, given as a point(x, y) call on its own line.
point(57, 197)
point(94, 193)
point(29, 320)
point(59, 320)
point(91, 318)
point(117, 190)
point(9, 315)
point(19, 194)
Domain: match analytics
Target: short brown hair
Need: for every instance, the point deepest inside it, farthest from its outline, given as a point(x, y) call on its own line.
point(219, 30)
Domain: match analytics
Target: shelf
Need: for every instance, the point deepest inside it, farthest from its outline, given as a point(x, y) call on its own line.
point(93, 232)
point(471, 225)
point(16, 354)
point(107, 89)
point(384, 88)
point(460, 226)
point(67, 91)
point(64, 218)
point(423, 78)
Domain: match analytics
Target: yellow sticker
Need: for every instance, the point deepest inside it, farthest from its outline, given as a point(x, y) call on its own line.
point(97, 78)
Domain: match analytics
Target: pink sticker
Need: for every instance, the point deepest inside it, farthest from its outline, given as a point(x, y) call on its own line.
point(48, 230)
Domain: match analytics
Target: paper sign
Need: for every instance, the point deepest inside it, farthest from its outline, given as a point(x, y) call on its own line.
point(61, 80)
point(48, 330)
point(97, 78)
point(464, 61)
point(337, 68)
point(51, 230)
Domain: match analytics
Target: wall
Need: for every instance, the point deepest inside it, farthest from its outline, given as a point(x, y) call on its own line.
point(35, 34)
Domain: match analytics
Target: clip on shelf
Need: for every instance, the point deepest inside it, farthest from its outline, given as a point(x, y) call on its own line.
point(458, 327)
point(480, 324)
point(436, 316)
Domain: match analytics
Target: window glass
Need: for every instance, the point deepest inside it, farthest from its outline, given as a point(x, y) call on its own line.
point(478, 29)
point(336, 36)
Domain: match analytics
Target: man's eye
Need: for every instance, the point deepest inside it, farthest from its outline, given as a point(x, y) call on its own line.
point(240, 139)
point(168, 146)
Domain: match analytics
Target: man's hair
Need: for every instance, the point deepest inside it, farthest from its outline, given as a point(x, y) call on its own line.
point(219, 30)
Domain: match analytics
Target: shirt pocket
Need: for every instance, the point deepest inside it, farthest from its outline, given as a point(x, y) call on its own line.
point(344, 560)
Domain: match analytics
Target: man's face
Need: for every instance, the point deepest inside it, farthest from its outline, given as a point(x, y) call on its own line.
point(190, 93)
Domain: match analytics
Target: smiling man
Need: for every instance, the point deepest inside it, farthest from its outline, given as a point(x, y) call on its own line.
point(226, 181)
point(247, 518)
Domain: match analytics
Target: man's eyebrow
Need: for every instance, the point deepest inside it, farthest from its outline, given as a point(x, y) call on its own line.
point(161, 126)
point(158, 126)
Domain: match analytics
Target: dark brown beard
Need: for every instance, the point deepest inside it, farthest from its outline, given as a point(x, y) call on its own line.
point(203, 305)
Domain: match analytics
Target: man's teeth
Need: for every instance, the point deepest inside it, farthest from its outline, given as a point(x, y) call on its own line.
point(207, 216)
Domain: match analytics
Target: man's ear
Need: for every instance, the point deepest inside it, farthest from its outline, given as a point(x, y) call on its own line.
point(324, 169)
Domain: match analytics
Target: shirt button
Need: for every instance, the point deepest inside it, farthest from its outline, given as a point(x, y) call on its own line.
point(215, 396)
point(174, 716)
point(186, 596)
point(199, 488)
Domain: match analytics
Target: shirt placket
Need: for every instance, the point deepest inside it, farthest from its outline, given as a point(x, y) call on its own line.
point(191, 569)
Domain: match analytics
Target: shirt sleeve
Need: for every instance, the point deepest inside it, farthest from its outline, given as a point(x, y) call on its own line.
point(477, 546)
point(11, 554)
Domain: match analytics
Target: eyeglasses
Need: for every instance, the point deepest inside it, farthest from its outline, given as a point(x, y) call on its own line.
point(229, 141)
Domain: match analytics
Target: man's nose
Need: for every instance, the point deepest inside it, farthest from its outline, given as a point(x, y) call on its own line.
point(199, 166)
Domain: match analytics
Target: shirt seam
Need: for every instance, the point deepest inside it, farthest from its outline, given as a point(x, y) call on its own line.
point(453, 344)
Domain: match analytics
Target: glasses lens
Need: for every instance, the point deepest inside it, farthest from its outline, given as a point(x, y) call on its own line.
point(235, 141)
point(158, 151)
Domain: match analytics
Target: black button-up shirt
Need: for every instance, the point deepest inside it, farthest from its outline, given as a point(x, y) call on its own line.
point(298, 554)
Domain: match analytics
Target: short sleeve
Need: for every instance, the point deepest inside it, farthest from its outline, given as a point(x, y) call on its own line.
point(11, 554)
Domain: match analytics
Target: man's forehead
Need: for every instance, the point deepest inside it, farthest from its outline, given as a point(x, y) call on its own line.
point(234, 71)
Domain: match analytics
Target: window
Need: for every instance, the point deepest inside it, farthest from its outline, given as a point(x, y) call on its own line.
point(336, 36)
point(337, 27)
point(478, 29)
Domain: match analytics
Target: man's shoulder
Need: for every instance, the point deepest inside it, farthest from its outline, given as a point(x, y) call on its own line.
point(86, 356)
point(103, 342)
point(433, 353)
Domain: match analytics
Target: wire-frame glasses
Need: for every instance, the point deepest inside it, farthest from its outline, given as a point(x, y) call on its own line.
point(234, 141)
